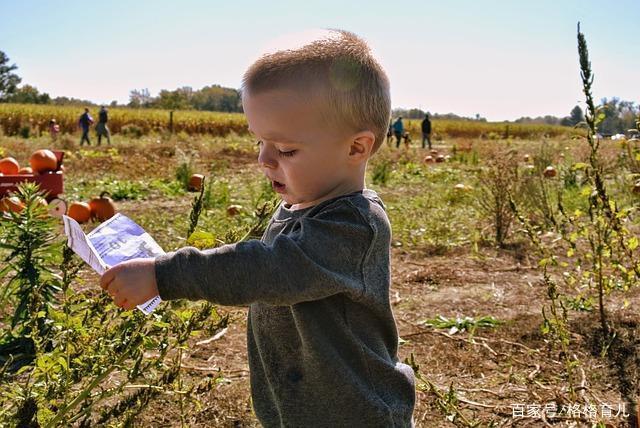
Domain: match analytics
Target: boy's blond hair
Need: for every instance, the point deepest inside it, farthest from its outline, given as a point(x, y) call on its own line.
point(340, 72)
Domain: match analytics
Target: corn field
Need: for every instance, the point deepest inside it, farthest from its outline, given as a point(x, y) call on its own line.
point(490, 130)
point(16, 118)
point(33, 120)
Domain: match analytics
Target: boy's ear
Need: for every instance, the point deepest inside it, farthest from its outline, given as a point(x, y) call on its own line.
point(361, 146)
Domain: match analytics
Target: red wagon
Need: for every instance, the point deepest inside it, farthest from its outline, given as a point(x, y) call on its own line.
point(50, 182)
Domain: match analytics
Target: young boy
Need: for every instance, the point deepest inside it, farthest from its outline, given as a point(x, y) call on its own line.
point(321, 337)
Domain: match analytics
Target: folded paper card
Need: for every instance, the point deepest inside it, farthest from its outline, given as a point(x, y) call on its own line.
point(114, 241)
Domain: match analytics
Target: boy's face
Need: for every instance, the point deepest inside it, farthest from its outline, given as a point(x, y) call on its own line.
point(305, 159)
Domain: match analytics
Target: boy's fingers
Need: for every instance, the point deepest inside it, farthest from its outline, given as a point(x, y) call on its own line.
point(128, 305)
point(112, 289)
point(119, 300)
point(106, 278)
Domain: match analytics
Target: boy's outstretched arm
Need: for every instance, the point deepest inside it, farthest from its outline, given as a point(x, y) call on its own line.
point(131, 283)
point(322, 257)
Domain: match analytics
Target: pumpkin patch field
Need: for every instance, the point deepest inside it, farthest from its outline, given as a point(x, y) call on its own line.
point(497, 252)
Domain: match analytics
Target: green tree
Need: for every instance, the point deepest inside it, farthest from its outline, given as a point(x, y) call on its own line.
point(8, 81)
point(616, 116)
point(576, 116)
point(28, 94)
point(140, 98)
point(217, 98)
point(180, 99)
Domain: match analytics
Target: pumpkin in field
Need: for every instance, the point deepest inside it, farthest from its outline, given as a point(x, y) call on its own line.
point(233, 210)
point(550, 172)
point(195, 182)
point(9, 166)
point(527, 158)
point(428, 159)
point(11, 203)
point(43, 160)
point(79, 211)
point(25, 170)
point(440, 158)
point(433, 152)
point(636, 188)
point(102, 207)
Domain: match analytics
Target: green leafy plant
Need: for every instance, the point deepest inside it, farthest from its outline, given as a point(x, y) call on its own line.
point(382, 171)
point(71, 357)
point(498, 180)
point(462, 324)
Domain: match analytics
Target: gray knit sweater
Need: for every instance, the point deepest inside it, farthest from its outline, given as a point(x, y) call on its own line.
point(321, 337)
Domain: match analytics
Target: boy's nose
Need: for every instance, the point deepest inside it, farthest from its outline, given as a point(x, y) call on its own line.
point(266, 160)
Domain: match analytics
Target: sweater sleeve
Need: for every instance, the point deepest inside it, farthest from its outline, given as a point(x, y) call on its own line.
point(322, 257)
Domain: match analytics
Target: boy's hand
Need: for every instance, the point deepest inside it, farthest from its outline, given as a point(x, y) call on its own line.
point(131, 283)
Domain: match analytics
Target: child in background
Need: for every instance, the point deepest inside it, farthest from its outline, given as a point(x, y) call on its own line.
point(322, 340)
point(54, 129)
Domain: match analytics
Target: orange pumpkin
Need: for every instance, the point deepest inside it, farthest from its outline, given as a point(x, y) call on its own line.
point(9, 166)
point(233, 210)
point(428, 159)
point(195, 182)
point(11, 203)
point(440, 158)
point(102, 207)
point(25, 170)
point(79, 211)
point(43, 160)
point(550, 172)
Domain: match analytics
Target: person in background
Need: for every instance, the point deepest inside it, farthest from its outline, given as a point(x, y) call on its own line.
point(101, 127)
point(398, 130)
point(54, 129)
point(426, 131)
point(85, 122)
point(406, 137)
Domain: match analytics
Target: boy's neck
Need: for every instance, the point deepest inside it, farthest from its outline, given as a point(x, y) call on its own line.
point(341, 189)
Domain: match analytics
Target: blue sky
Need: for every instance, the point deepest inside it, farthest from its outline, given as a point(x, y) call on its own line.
point(501, 59)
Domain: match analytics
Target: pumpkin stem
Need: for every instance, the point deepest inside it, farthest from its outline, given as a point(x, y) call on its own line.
point(104, 193)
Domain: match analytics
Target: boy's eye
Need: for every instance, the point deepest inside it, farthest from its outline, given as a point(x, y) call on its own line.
point(280, 152)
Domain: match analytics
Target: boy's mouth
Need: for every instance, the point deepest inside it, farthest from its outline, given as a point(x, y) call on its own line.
point(277, 186)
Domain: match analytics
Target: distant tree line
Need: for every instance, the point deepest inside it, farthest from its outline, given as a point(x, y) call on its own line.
point(416, 113)
point(615, 116)
point(210, 98)
point(575, 117)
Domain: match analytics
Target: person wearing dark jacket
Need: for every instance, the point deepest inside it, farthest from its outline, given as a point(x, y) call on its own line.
point(398, 130)
point(101, 127)
point(85, 122)
point(426, 131)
